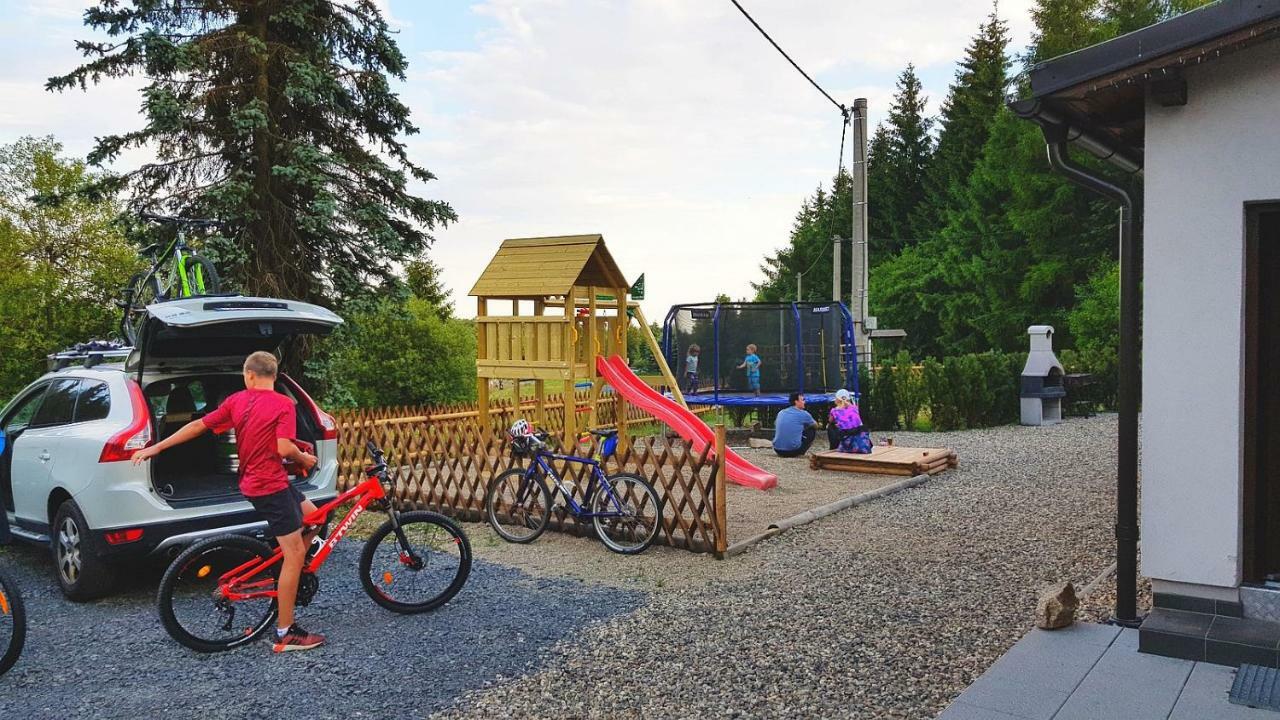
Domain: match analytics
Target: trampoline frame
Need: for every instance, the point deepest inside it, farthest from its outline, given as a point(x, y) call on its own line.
point(847, 350)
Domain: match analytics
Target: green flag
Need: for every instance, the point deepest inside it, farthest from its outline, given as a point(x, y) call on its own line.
point(637, 290)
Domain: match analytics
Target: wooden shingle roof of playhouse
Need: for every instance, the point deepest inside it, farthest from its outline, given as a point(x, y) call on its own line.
point(546, 266)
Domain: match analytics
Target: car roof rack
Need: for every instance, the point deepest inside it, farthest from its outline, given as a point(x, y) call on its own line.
point(88, 354)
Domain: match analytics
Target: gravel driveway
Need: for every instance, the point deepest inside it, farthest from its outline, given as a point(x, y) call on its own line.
point(887, 610)
point(112, 659)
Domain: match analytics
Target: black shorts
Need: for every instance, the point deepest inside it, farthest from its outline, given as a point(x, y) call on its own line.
point(282, 510)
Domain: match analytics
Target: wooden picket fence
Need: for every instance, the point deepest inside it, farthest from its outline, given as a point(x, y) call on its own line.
point(444, 460)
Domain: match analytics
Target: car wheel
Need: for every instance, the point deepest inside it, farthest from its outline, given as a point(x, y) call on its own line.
point(82, 572)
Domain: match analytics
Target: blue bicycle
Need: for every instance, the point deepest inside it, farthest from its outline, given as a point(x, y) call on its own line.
point(624, 508)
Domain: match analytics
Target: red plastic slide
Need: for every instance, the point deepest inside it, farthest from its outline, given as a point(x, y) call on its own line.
point(689, 426)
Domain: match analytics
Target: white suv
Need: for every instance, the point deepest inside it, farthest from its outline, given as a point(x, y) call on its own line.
point(65, 475)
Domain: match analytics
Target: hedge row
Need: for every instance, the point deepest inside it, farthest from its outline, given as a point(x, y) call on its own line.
point(963, 391)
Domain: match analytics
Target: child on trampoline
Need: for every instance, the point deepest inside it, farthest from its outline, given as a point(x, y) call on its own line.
point(844, 427)
point(752, 363)
point(691, 369)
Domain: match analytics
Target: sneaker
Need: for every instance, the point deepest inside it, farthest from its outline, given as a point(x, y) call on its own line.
point(297, 639)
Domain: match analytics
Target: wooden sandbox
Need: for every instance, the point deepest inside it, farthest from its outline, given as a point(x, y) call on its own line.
point(887, 460)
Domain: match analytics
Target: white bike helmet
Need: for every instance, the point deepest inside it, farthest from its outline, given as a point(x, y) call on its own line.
point(520, 428)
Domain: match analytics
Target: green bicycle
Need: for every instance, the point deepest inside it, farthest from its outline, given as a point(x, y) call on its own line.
point(176, 272)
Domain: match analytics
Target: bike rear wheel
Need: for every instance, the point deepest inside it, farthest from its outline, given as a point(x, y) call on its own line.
point(192, 607)
point(13, 623)
point(418, 568)
point(517, 508)
point(631, 517)
point(202, 276)
point(143, 290)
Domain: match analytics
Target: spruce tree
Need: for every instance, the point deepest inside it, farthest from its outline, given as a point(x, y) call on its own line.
point(879, 176)
point(1125, 16)
point(975, 97)
point(1063, 26)
point(902, 157)
point(278, 118)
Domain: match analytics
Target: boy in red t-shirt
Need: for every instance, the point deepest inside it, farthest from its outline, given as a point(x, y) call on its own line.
point(266, 423)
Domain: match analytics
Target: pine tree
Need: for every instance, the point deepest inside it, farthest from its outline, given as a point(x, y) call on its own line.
point(879, 177)
point(903, 150)
point(423, 280)
point(822, 219)
point(1125, 16)
point(277, 118)
point(975, 97)
point(1063, 26)
point(1177, 7)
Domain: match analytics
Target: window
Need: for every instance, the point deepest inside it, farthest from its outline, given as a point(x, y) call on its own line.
point(95, 401)
point(59, 404)
point(23, 411)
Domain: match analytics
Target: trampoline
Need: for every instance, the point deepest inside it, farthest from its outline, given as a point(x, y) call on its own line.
point(803, 347)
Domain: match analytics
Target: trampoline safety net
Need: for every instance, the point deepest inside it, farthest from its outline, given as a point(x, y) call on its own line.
point(803, 347)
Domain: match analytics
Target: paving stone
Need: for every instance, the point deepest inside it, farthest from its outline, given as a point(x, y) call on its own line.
point(1205, 696)
point(1128, 685)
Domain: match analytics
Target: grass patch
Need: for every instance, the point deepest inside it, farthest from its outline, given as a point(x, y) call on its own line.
point(508, 389)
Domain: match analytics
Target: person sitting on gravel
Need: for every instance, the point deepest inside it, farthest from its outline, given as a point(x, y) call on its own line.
point(794, 429)
point(845, 431)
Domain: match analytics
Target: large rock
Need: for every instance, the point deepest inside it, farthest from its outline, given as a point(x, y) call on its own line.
point(1057, 607)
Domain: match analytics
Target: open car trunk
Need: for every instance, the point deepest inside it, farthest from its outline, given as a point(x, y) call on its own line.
point(207, 469)
point(189, 360)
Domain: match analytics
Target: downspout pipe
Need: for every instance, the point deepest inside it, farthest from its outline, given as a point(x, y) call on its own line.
point(1130, 390)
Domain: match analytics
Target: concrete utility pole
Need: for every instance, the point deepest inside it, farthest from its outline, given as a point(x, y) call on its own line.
point(858, 260)
point(799, 287)
point(835, 269)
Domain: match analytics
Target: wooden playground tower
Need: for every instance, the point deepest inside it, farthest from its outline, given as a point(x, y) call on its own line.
point(575, 297)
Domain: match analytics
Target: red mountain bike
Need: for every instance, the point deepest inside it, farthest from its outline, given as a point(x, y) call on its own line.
point(220, 593)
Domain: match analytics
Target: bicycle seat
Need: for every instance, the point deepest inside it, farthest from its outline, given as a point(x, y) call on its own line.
point(151, 249)
point(604, 433)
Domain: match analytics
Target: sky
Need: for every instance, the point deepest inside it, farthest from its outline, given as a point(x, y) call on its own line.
point(671, 127)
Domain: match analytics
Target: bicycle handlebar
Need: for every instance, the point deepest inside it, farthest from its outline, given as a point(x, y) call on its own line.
point(171, 220)
point(379, 458)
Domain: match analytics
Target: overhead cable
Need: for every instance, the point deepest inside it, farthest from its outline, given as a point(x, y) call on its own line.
point(843, 110)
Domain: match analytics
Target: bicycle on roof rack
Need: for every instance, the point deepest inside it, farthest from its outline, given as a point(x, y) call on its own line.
point(176, 272)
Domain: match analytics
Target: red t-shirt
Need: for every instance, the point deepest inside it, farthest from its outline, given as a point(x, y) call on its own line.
point(260, 417)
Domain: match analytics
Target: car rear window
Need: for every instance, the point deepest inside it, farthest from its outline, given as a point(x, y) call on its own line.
point(59, 404)
point(95, 401)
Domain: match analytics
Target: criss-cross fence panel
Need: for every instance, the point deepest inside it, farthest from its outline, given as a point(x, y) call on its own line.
point(444, 461)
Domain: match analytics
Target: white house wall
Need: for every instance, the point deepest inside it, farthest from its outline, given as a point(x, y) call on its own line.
point(1203, 162)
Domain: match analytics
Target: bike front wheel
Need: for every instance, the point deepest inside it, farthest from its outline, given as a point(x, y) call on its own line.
point(191, 603)
point(13, 623)
point(627, 513)
point(416, 566)
point(518, 506)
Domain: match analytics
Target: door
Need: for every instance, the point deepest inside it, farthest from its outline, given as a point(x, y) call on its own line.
point(35, 450)
point(1262, 394)
point(13, 425)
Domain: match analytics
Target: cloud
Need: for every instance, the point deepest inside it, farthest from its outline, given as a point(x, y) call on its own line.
point(670, 127)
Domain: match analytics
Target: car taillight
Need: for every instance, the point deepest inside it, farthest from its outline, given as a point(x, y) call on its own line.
point(120, 537)
point(328, 426)
point(136, 436)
